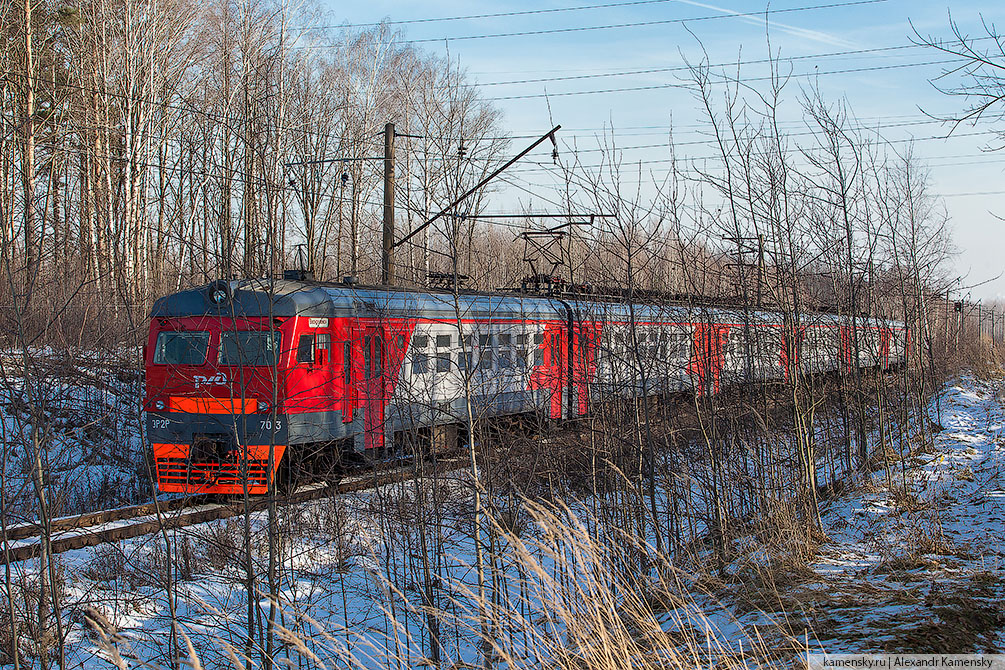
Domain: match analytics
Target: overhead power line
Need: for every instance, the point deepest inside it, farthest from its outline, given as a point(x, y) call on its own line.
point(620, 26)
point(654, 87)
point(536, 166)
point(685, 68)
point(497, 15)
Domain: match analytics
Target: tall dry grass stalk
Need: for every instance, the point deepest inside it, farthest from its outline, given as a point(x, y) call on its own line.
point(567, 594)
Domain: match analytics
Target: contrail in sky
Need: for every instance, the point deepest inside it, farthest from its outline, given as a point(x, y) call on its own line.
point(815, 35)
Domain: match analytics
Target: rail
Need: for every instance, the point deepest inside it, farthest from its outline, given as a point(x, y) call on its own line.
point(94, 528)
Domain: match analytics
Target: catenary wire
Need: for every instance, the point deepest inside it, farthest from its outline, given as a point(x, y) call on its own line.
point(617, 26)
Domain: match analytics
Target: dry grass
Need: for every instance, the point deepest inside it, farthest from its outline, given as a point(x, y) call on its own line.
point(569, 599)
point(907, 502)
point(903, 564)
point(963, 617)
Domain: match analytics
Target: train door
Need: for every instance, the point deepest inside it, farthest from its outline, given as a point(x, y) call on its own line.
point(586, 344)
point(707, 357)
point(313, 361)
point(885, 335)
point(549, 365)
point(559, 357)
point(373, 386)
point(345, 367)
point(845, 350)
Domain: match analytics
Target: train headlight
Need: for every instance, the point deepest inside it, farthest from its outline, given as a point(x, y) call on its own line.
point(159, 405)
point(263, 407)
point(218, 295)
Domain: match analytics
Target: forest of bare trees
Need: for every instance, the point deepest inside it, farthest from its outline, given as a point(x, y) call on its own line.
point(147, 148)
point(150, 147)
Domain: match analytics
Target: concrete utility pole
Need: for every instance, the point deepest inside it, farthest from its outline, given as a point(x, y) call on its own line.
point(760, 269)
point(387, 256)
point(945, 340)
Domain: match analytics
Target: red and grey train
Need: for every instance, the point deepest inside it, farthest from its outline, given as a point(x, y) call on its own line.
point(244, 377)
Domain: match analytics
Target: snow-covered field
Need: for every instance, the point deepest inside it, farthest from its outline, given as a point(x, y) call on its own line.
point(88, 426)
point(912, 563)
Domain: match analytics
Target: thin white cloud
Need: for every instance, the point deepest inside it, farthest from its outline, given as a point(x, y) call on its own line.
point(813, 35)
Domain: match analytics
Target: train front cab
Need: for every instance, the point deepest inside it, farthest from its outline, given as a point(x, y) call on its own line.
point(213, 386)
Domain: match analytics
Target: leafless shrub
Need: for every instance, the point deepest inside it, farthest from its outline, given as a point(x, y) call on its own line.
point(9, 636)
point(221, 545)
point(107, 563)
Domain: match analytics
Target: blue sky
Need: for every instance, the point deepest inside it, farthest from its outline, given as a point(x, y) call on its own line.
point(887, 87)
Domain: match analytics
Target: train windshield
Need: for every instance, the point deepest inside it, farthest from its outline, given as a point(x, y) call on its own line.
point(181, 348)
point(249, 348)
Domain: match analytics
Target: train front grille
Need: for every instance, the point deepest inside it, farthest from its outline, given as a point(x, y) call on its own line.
point(201, 473)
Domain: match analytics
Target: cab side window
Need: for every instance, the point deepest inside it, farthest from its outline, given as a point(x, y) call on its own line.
point(305, 348)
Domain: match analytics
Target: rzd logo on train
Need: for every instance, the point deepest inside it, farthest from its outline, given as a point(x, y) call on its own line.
point(219, 379)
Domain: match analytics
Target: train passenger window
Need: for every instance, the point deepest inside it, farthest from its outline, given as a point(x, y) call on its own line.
point(485, 359)
point(538, 348)
point(485, 340)
point(443, 344)
point(443, 362)
point(181, 348)
point(521, 339)
point(505, 352)
point(401, 341)
point(322, 343)
point(420, 363)
point(420, 341)
point(378, 356)
point(465, 359)
point(521, 359)
point(305, 348)
point(249, 347)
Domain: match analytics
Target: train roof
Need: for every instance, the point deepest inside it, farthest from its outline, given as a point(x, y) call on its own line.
point(288, 298)
point(285, 298)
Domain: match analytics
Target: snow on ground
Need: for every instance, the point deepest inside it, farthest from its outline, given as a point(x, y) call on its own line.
point(915, 563)
point(88, 420)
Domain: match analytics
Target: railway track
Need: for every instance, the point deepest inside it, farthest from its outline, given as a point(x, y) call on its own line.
point(93, 528)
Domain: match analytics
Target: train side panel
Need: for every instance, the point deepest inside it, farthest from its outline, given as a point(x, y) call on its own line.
point(274, 371)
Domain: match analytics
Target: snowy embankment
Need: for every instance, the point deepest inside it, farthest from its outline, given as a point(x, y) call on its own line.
point(913, 559)
point(82, 416)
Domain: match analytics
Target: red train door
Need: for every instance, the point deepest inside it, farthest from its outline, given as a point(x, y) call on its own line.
point(707, 356)
point(586, 341)
point(373, 386)
point(559, 357)
point(885, 335)
point(313, 365)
